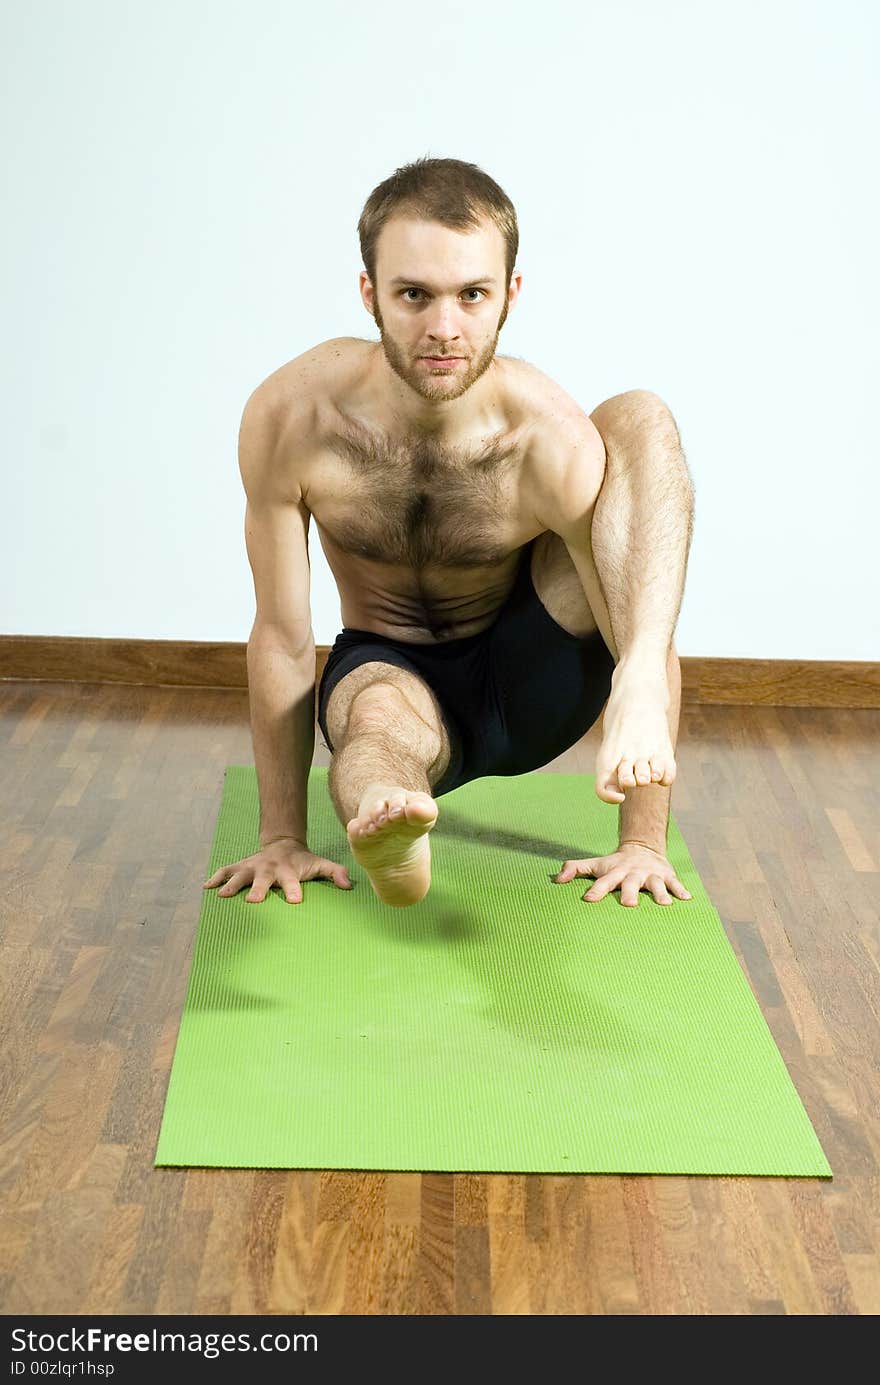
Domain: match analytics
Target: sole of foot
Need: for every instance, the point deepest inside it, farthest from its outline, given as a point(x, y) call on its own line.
point(389, 838)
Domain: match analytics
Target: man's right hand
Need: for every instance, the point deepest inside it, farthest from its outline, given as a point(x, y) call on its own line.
point(285, 861)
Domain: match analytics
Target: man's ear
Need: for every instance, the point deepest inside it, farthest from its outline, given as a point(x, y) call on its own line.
point(368, 293)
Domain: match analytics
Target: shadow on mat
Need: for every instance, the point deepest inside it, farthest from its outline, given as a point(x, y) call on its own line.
point(466, 829)
point(541, 1007)
point(458, 826)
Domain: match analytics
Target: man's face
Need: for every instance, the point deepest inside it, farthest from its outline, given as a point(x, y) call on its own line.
point(443, 294)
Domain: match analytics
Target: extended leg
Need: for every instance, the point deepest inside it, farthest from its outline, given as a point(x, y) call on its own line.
point(387, 757)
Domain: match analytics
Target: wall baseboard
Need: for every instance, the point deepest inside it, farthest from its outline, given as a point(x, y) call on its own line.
point(194, 664)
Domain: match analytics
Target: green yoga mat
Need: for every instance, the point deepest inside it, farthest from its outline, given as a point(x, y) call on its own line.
point(500, 1024)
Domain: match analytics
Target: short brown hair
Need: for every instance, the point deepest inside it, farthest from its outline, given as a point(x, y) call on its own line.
point(454, 193)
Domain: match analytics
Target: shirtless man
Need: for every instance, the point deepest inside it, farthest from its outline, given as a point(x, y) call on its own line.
point(506, 563)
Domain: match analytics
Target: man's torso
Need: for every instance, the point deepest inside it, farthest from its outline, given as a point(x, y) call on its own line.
point(423, 536)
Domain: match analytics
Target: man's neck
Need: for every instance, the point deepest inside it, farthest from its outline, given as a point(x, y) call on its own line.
point(442, 420)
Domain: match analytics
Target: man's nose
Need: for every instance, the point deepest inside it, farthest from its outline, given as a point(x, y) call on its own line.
point(443, 324)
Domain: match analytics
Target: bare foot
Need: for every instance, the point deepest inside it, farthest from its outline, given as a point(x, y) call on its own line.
point(389, 838)
point(636, 745)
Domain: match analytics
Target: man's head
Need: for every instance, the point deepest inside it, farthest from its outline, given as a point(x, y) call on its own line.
point(439, 240)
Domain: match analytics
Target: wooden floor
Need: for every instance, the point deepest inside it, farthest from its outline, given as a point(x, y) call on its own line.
point(109, 798)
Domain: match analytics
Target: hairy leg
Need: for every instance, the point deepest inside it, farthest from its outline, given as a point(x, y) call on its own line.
point(386, 760)
point(640, 538)
point(560, 587)
point(642, 525)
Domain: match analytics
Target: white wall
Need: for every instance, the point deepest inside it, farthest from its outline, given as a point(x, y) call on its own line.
point(697, 194)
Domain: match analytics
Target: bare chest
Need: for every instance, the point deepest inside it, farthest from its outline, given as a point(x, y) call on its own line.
point(419, 505)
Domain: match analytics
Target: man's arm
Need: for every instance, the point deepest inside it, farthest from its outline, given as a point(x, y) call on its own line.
point(281, 647)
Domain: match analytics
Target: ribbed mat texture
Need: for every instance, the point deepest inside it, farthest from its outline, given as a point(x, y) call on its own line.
point(501, 1024)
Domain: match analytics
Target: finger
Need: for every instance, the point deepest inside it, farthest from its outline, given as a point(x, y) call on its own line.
point(332, 870)
point(678, 888)
point(338, 874)
point(643, 772)
point(217, 878)
point(292, 888)
point(603, 886)
point(658, 889)
point(236, 882)
point(629, 890)
point(572, 868)
point(260, 888)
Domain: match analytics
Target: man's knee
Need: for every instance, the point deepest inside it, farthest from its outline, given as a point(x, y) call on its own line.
point(381, 701)
point(632, 415)
point(386, 711)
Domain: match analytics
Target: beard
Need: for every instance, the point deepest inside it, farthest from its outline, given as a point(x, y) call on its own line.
point(418, 377)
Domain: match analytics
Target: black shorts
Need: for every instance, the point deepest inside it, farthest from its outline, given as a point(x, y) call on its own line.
point(513, 697)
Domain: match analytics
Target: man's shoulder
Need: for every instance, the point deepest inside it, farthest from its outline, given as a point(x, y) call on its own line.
point(280, 425)
point(560, 420)
point(291, 403)
point(565, 454)
point(311, 375)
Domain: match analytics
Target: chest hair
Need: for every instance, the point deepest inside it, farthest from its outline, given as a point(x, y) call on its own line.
point(422, 503)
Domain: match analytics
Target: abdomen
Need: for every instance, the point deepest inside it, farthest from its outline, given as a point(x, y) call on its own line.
point(431, 603)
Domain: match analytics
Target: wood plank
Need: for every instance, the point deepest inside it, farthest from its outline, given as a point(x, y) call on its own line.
point(194, 664)
point(109, 794)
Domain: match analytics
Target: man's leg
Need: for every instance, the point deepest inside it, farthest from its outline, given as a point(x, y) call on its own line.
point(641, 533)
point(390, 747)
point(644, 815)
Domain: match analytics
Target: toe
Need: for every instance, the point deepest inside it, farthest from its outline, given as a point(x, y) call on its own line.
point(643, 772)
point(607, 789)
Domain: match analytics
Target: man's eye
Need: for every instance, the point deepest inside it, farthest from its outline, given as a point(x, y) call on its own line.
point(417, 291)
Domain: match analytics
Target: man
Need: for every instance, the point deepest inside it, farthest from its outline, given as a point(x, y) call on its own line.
point(506, 564)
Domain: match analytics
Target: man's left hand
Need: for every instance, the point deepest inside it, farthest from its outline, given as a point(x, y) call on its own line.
point(633, 868)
